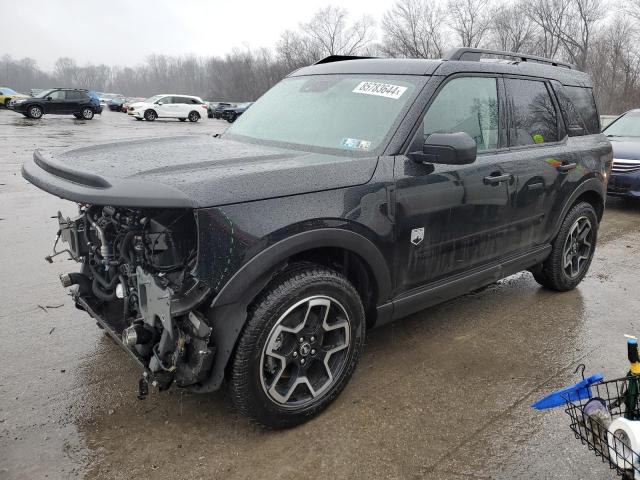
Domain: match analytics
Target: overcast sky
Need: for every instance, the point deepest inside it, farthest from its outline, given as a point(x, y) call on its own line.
point(124, 32)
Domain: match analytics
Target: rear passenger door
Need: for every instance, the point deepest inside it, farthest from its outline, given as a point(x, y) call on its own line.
point(539, 159)
point(74, 100)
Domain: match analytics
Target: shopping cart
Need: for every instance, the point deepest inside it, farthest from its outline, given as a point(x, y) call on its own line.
point(592, 405)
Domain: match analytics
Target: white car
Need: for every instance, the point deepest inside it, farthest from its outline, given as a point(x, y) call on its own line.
point(182, 107)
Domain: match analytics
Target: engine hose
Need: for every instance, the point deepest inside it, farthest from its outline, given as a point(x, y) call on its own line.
point(124, 251)
point(98, 276)
point(101, 294)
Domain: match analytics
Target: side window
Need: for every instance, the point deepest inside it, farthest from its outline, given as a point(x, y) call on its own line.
point(57, 95)
point(470, 105)
point(534, 119)
point(166, 100)
point(180, 100)
point(73, 95)
point(585, 104)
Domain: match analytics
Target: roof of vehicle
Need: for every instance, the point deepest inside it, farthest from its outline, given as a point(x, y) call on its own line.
point(176, 95)
point(455, 61)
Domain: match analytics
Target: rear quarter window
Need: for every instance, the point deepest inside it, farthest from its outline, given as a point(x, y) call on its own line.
point(585, 106)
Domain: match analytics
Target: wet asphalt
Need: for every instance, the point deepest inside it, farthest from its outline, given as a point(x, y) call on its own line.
point(443, 394)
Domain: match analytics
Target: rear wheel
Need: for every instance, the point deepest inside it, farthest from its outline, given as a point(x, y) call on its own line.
point(299, 347)
point(194, 116)
point(34, 111)
point(150, 115)
point(231, 118)
point(572, 250)
point(86, 113)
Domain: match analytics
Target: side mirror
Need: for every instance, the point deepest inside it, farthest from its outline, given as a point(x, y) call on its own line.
point(447, 148)
point(159, 103)
point(49, 98)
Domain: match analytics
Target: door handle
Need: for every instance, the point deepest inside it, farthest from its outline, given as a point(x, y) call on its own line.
point(497, 179)
point(565, 167)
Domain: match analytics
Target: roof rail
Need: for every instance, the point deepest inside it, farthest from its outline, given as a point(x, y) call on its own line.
point(475, 54)
point(339, 58)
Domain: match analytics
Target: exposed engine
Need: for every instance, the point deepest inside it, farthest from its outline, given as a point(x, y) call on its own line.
point(136, 281)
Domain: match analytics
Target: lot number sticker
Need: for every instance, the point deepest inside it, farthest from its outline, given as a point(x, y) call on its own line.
point(380, 89)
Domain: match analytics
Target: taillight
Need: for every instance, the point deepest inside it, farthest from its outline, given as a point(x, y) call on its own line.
point(204, 106)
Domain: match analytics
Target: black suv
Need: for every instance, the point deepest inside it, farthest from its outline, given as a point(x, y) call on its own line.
point(260, 257)
point(70, 101)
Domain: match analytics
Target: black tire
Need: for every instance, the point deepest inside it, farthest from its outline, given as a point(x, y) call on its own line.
point(150, 115)
point(292, 292)
point(6, 103)
point(182, 119)
point(194, 116)
point(231, 118)
point(557, 272)
point(87, 113)
point(35, 112)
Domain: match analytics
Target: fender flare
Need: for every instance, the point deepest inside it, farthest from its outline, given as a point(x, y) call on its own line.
point(590, 185)
point(277, 253)
point(228, 311)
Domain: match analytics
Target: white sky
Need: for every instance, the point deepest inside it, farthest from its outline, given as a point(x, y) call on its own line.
point(124, 32)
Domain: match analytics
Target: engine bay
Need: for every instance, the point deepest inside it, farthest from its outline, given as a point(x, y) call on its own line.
point(136, 281)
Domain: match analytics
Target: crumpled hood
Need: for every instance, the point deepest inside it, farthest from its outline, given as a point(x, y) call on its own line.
point(190, 171)
point(625, 147)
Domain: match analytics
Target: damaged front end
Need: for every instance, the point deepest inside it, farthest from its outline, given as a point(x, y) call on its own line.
point(136, 280)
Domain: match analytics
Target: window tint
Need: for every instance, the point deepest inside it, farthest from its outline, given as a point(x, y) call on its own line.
point(534, 119)
point(73, 95)
point(582, 99)
point(166, 100)
point(57, 95)
point(468, 105)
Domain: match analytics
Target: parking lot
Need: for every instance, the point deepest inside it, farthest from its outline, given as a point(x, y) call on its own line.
point(442, 394)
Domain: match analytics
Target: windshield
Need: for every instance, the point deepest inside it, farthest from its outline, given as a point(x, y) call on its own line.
point(7, 91)
point(626, 126)
point(338, 112)
point(153, 99)
point(43, 93)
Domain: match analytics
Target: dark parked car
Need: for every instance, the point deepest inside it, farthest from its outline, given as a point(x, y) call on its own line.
point(80, 103)
point(258, 259)
point(115, 104)
point(217, 112)
point(624, 133)
point(230, 114)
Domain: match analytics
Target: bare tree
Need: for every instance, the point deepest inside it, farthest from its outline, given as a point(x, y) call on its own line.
point(413, 28)
point(330, 32)
point(576, 33)
point(550, 16)
point(470, 20)
point(512, 30)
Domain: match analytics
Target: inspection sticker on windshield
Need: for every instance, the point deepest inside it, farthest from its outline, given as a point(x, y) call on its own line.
point(380, 89)
point(355, 144)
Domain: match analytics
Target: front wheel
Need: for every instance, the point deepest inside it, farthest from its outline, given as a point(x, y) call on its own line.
point(572, 250)
point(150, 115)
point(231, 118)
point(299, 347)
point(6, 103)
point(34, 111)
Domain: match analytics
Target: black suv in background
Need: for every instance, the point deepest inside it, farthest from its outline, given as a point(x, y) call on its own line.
point(60, 101)
point(258, 259)
point(217, 111)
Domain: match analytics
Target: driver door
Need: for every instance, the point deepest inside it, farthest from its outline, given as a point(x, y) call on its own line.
point(453, 218)
point(56, 102)
point(165, 107)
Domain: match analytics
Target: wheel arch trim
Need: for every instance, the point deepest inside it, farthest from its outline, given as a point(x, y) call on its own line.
point(279, 252)
point(593, 185)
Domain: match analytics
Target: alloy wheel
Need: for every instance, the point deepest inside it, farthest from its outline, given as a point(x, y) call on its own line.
point(577, 247)
point(306, 352)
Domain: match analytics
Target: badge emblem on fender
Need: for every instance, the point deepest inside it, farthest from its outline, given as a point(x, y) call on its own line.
point(417, 235)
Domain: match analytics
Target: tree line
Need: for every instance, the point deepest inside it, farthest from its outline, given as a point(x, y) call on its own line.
point(594, 35)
